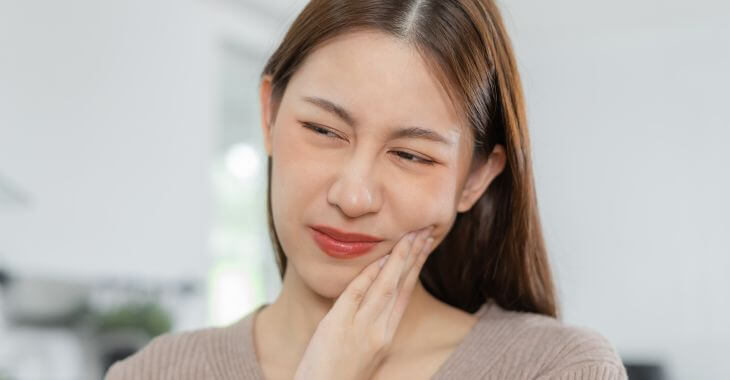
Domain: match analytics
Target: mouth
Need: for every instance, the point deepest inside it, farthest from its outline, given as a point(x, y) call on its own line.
point(342, 245)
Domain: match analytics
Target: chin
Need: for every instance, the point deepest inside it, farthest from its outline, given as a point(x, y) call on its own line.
point(327, 282)
point(328, 290)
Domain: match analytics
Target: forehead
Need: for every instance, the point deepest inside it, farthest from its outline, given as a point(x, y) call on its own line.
point(381, 79)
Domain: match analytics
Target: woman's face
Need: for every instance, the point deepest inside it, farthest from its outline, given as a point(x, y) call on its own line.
point(342, 157)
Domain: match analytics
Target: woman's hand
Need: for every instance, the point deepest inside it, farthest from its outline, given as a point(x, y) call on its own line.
point(354, 336)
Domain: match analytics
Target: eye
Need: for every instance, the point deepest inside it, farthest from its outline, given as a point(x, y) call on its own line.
point(405, 156)
point(412, 158)
point(326, 132)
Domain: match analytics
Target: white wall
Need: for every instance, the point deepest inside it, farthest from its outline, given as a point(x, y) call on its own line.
point(105, 120)
point(626, 103)
point(108, 115)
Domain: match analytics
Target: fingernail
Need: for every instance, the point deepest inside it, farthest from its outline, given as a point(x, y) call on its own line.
point(382, 260)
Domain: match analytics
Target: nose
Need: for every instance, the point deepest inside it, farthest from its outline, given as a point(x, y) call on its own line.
point(356, 191)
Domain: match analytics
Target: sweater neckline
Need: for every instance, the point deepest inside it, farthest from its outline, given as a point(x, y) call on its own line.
point(461, 353)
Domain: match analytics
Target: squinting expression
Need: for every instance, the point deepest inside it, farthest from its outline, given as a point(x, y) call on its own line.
point(365, 140)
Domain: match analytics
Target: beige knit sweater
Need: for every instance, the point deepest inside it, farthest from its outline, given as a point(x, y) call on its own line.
point(502, 345)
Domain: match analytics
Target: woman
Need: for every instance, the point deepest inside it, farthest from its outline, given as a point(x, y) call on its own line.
point(396, 132)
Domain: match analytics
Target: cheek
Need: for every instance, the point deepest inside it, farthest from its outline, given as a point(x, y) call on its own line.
point(298, 178)
point(298, 182)
point(288, 190)
point(429, 203)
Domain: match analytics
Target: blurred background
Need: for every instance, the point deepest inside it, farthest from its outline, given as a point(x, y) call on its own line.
point(132, 185)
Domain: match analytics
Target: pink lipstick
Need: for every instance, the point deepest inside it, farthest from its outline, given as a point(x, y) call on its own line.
point(342, 245)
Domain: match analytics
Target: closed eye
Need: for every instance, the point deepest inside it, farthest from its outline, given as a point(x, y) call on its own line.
point(402, 155)
point(321, 130)
point(413, 158)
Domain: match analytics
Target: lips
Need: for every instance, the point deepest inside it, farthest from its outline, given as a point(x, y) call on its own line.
point(345, 236)
point(342, 245)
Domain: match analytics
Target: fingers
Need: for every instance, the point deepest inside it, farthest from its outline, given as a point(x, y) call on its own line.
point(409, 283)
point(350, 299)
point(416, 249)
point(382, 294)
point(418, 245)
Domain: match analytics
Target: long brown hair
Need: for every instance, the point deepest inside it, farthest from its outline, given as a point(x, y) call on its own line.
point(496, 249)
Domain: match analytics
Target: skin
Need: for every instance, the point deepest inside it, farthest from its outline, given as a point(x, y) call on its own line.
point(358, 178)
point(353, 338)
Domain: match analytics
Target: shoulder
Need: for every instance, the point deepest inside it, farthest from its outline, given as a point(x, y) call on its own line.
point(552, 349)
point(179, 355)
point(572, 352)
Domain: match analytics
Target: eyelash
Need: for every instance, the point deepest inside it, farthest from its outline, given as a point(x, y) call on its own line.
point(413, 158)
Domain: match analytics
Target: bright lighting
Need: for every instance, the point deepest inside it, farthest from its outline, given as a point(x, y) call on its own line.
point(242, 161)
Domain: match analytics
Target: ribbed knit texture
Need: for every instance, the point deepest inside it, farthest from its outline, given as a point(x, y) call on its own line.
point(502, 345)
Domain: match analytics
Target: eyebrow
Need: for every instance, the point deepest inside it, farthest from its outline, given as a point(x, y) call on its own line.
point(405, 132)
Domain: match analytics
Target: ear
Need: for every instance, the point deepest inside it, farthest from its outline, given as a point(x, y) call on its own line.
point(265, 100)
point(480, 177)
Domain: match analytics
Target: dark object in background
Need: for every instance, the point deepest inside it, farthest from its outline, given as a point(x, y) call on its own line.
point(43, 301)
point(118, 344)
point(111, 357)
point(124, 330)
point(4, 278)
point(644, 371)
point(148, 317)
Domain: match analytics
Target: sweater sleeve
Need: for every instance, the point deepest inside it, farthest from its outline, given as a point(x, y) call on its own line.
point(585, 355)
point(592, 371)
point(168, 356)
